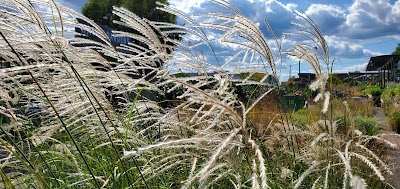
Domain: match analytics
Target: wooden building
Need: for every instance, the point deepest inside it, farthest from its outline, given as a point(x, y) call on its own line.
point(387, 67)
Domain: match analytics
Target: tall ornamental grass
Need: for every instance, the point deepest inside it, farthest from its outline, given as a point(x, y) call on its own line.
point(81, 113)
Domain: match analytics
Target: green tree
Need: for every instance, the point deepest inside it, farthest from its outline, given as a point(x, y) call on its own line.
point(397, 51)
point(100, 11)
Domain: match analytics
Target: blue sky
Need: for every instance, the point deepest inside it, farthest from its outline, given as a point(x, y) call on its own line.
point(355, 30)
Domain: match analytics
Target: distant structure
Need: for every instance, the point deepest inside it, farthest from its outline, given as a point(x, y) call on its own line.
point(115, 40)
point(387, 68)
point(380, 70)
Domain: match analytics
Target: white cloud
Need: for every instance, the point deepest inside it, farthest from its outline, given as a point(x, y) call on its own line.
point(350, 68)
point(343, 47)
point(372, 18)
point(363, 11)
point(328, 18)
point(396, 11)
point(332, 10)
point(358, 67)
point(186, 6)
point(347, 29)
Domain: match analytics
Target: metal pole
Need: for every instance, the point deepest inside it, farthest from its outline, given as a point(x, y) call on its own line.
point(299, 66)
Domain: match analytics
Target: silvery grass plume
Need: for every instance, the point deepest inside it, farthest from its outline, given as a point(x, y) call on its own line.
point(208, 131)
point(313, 53)
point(209, 127)
point(81, 88)
point(103, 124)
point(349, 152)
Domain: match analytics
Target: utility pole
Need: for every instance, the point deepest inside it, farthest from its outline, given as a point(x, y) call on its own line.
point(299, 66)
point(290, 71)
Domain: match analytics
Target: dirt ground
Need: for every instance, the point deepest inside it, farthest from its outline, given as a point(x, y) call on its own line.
point(393, 154)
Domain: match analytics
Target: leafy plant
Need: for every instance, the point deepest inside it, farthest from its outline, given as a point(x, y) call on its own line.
point(367, 125)
point(391, 99)
point(373, 90)
point(394, 118)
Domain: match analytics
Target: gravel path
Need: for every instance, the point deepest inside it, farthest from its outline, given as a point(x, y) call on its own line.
point(393, 154)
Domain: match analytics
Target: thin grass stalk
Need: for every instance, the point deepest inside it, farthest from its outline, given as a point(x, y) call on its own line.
point(24, 160)
point(37, 151)
point(279, 108)
point(331, 106)
point(55, 111)
point(60, 18)
point(129, 119)
point(130, 114)
point(82, 83)
point(285, 118)
point(47, 165)
point(6, 180)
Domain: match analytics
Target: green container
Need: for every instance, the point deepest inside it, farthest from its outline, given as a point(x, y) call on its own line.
point(293, 102)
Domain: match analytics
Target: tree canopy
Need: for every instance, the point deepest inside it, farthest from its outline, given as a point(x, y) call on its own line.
point(100, 11)
point(397, 50)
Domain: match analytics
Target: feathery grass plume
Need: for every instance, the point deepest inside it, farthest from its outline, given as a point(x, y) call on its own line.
point(357, 182)
point(312, 53)
point(326, 181)
point(57, 77)
point(326, 102)
point(254, 178)
point(203, 174)
point(95, 129)
point(262, 168)
point(346, 161)
point(318, 138)
point(315, 183)
point(311, 31)
point(370, 164)
point(364, 139)
point(376, 158)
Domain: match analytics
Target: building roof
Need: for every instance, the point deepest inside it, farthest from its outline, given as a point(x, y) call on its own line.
point(115, 40)
point(382, 62)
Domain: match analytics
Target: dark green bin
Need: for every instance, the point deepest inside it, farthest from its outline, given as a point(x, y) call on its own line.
point(293, 102)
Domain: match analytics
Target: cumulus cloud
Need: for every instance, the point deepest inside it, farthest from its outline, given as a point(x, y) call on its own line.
point(278, 14)
point(343, 47)
point(346, 68)
point(372, 18)
point(255, 10)
point(186, 6)
point(328, 18)
point(348, 26)
point(358, 67)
